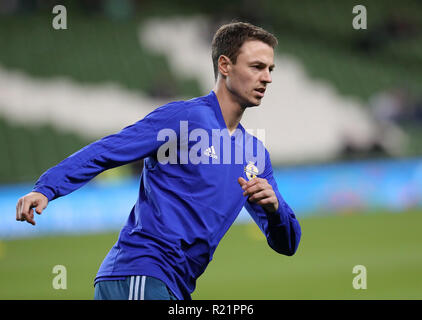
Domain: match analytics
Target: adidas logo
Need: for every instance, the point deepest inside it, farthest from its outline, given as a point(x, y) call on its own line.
point(210, 152)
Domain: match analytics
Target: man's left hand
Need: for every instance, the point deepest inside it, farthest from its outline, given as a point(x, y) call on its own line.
point(260, 192)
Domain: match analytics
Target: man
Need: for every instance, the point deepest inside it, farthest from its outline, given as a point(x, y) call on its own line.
point(188, 196)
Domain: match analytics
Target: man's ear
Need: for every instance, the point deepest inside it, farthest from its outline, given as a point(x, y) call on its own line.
point(224, 65)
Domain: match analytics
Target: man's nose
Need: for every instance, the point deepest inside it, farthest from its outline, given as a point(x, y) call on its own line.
point(266, 76)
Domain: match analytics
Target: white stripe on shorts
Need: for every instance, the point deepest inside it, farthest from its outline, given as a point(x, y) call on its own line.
point(143, 288)
point(136, 288)
point(131, 288)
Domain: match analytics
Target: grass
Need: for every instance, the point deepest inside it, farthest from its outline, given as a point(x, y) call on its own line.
point(386, 244)
point(244, 267)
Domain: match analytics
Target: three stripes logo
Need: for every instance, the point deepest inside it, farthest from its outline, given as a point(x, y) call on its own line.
point(210, 152)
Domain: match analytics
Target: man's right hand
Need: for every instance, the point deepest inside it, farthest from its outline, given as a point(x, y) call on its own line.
point(25, 205)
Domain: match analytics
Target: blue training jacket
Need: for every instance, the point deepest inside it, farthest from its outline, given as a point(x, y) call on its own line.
point(184, 207)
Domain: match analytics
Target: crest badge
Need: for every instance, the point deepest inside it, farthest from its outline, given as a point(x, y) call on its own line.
point(251, 170)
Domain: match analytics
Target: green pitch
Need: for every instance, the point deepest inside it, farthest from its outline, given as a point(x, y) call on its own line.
point(244, 267)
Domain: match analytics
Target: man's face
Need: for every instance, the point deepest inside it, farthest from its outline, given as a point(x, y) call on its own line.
point(247, 80)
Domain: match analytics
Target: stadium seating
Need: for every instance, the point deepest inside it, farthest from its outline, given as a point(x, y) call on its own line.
point(101, 50)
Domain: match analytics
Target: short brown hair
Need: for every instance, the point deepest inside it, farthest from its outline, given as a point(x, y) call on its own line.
point(230, 37)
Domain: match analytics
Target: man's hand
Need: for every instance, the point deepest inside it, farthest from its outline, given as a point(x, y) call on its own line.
point(25, 205)
point(260, 192)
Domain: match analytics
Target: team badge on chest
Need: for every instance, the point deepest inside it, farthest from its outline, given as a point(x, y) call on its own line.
point(251, 170)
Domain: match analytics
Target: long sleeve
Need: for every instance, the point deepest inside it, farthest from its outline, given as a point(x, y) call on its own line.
point(132, 143)
point(281, 228)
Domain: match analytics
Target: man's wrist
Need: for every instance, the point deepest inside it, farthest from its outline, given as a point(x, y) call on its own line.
point(272, 208)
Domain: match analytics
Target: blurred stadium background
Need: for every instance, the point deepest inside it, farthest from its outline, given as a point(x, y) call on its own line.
point(342, 120)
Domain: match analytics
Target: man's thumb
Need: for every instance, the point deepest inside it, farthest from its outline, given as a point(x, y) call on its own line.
point(40, 207)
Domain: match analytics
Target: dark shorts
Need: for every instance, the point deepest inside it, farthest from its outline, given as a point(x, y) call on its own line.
point(133, 288)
